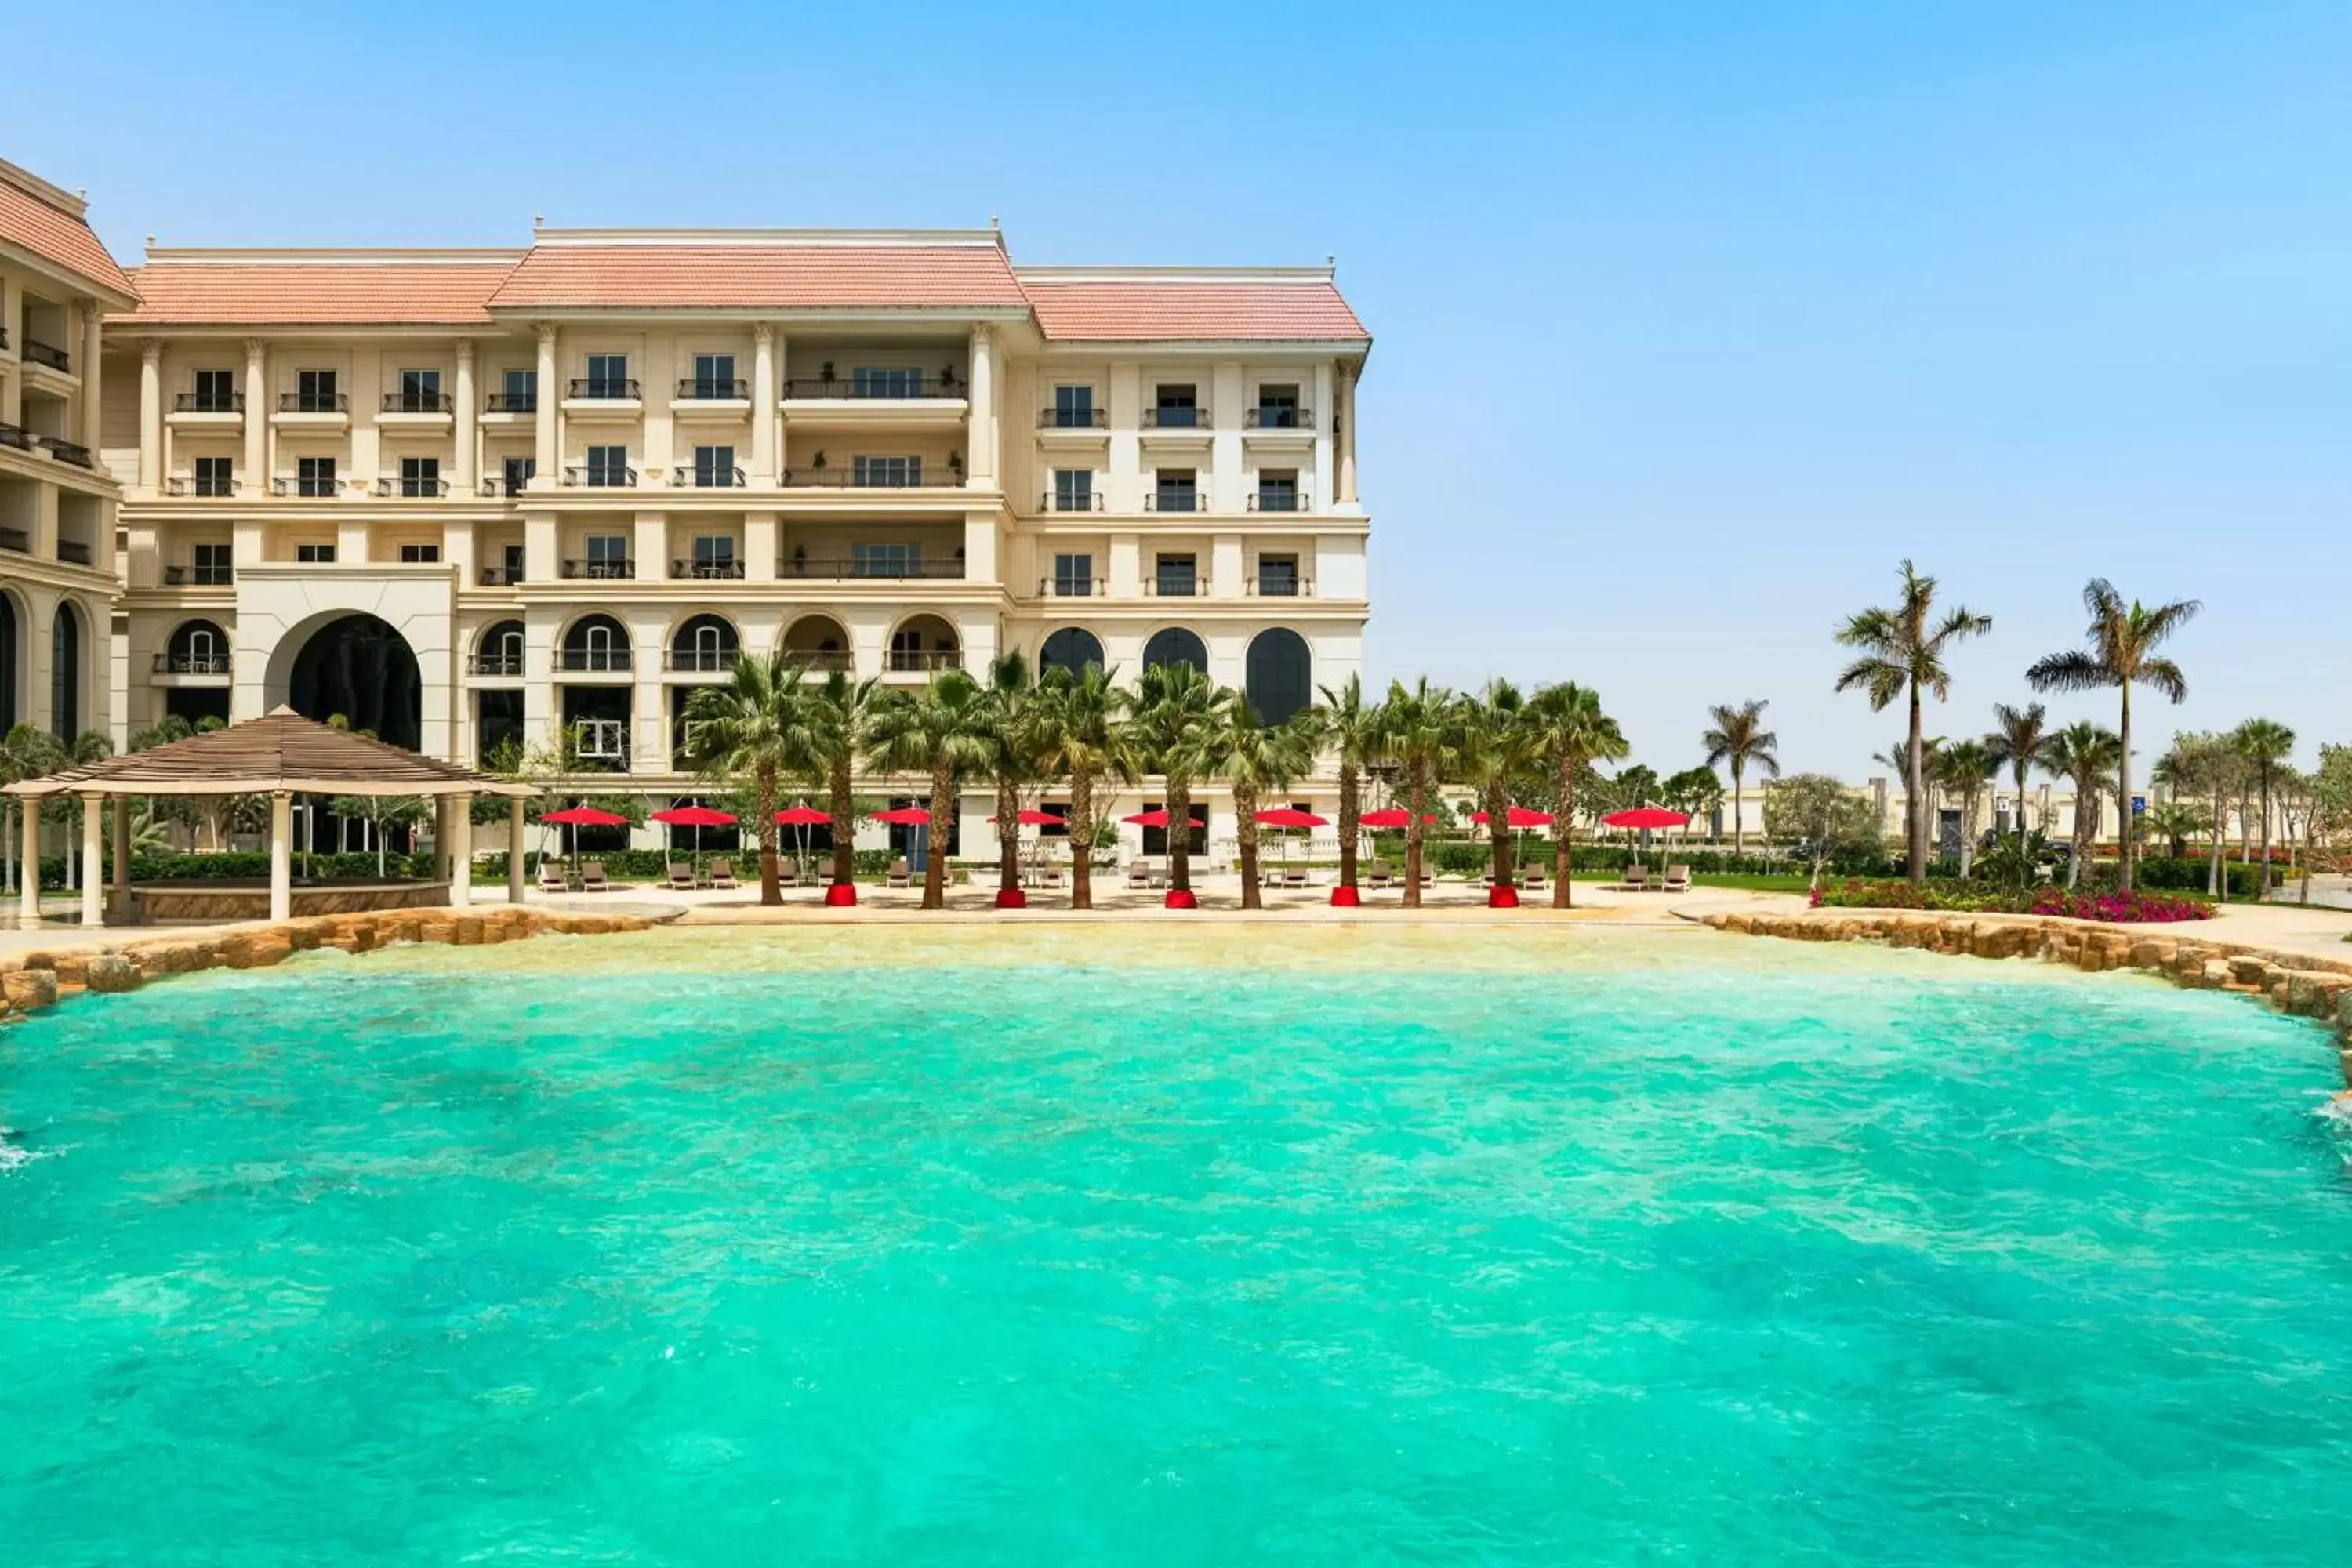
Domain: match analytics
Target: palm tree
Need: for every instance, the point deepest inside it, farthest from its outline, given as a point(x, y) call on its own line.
point(2265, 744)
point(1420, 734)
point(2015, 743)
point(2122, 654)
point(2175, 822)
point(1497, 747)
point(839, 707)
point(2083, 753)
point(1962, 768)
point(1903, 649)
point(1175, 705)
point(947, 731)
point(26, 752)
point(1254, 757)
point(757, 724)
point(2208, 766)
point(1078, 731)
point(1570, 732)
point(1350, 728)
point(1739, 737)
point(1011, 696)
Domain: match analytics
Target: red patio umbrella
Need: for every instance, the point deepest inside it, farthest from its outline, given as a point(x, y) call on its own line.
point(695, 816)
point(1517, 816)
point(1157, 819)
point(585, 817)
point(1036, 819)
point(904, 816)
point(1290, 817)
point(803, 816)
point(1646, 817)
point(1392, 816)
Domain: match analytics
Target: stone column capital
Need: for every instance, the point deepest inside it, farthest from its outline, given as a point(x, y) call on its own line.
point(763, 333)
point(465, 350)
point(255, 348)
point(546, 335)
point(152, 351)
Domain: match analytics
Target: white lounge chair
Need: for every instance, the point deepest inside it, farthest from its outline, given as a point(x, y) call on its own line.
point(1677, 880)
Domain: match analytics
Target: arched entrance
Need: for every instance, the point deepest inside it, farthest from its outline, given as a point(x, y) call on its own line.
point(11, 661)
point(1176, 645)
point(65, 672)
point(357, 667)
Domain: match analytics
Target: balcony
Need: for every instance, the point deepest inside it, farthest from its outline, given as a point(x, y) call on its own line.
point(583, 476)
point(18, 539)
point(74, 552)
point(889, 400)
point(1055, 500)
point(821, 662)
point(1175, 500)
point(48, 355)
point(1280, 587)
point(1173, 588)
point(854, 478)
point(601, 571)
point(500, 576)
point(1074, 419)
point(199, 576)
point(697, 477)
point(314, 403)
point(511, 402)
point(1276, 416)
point(502, 666)
point(701, 390)
point(309, 487)
point(207, 486)
point(1072, 588)
point(607, 398)
point(413, 487)
point(1176, 418)
point(892, 387)
point(914, 661)
point(416, 402)
point(594, 660)
point(496, 485)
point(207, 407)
point(707, 571)
point(66, 451)
point(700, 660)
point(15, 435)
point(1264, 500)
point(190, 664)
point(882, 569)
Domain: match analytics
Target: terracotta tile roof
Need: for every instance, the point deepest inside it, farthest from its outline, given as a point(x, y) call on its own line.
point(280, 751)
point(1172, 311)
point(762, 276)
point(314, 291)
point(57, 238)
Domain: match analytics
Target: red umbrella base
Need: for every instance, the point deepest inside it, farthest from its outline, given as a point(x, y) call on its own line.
point(1346, 899)
point(1012, 898)
point(1502, 897)
point(1182, 899)
point(841, 894)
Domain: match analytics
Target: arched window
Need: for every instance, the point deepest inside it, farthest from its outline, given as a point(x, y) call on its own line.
point(65, 674)
point(1281, 675)
point(500, 650)
point(596, 642)
point(197, 647)
point(704, 643)
point(1071, 648)
point(1176, 645)
point(11, 661)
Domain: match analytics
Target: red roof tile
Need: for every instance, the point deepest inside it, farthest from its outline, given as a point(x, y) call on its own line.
point(756, 277)
point(57, 238)
point(322, 291)
point(1174, 311)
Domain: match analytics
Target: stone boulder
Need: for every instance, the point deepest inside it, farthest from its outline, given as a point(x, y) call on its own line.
point(27, 989)
point(110, 972)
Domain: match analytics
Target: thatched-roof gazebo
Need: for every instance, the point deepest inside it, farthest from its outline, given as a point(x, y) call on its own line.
point(280, 755)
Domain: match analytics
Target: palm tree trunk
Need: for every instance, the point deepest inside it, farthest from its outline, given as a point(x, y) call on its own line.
point(772, 887)
point(843, 807)
point(1915, 846)
point(1180, 835)
point(1008, 834)
point(1245, 808)
point(1352, 812)
point(1563, 848)
point(1413, 835)
point(2263, 887)
point(935, 859)
point(1082, 839)
point(2220, 846)
point(1498, 831)
point(2123, 801)
point(1738, 825)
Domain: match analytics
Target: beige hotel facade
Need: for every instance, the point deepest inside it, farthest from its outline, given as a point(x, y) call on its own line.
point(463, 498)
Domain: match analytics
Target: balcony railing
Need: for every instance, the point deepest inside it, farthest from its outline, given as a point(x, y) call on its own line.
point(700, 661)
point(886, 389)
point(707, 571)
point(584, 477)
point(1074, 419)
point(315, 488)
point(846, 569)
point(199, 485)
point(1056, 500)
point(407, 401)
point(1277, 500)
point(499, 485)
point(906, 660)
point(1175, 419)
point(695, 476)
point(314, 403)
point(1072, 588)
point(15, 435)
point(18, 539)
point(1273, 417)
point(601, 571)
point(191, 664)
point(496, 663)
point(208, 403)
point(604, 390)
point(705, 389)
point(414, 486)
point(199, 576)
point(1267, 587)
point(500, 576)
point(74, 551)
point(595, 661)
point(1176, 587)
point(1174, 500)
point(45, 354)
point(512, 403)
point(66, 451)
point(871, 479)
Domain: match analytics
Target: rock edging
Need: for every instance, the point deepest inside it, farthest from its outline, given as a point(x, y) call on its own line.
point(2293, 983)
point(31, 981)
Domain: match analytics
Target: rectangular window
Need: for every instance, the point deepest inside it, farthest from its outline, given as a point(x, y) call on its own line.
point(215, 392)
point(314, 392)
point(600, 738)
point(608, 376)
point(608, 465)
point(608, 555)
point(869, 381)
point(1277, 408)
point(517, 392)
point(1074, 407)
point(1176, 490)
point(314, 554)
point(420, 476)
point(214, 565)
point(515, 555)
point(714, 376)
point(886, 560)
point(1177, 406)
point(1074, 576)
point(1175, 576)
point(714, 555)
point(714, 467)
point(420, 392)
point(314, 476)
point(1073, 490)
point(519, 472)
point(1277, 490)
point(419, 554)
point(1277, 576)
point(886, 473)
point(215, 477)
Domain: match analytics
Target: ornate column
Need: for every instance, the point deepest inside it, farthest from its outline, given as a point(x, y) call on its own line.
point(93, 870)
point(979, 433)
point(151, 415)
point(257, 414)
point(469, 449)
point(764, 405)
point(549, 405)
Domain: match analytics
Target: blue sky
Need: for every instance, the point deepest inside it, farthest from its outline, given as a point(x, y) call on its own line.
point(1691, 320)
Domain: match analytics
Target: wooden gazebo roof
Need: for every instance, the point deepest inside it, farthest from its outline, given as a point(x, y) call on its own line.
point(281, 753)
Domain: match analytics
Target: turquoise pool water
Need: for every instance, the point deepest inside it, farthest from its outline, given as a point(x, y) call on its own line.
point(875, 1247)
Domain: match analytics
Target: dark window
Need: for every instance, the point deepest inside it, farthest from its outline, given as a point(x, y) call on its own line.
point(314, 391)
point(1178, 407)
point(608, 555)
point(714, 465)
point(1074, 576)
point(520, 393)
point(714, 555)
point(514, 559)
point(420, 390)
point(213, 564)
point(1074, 407)
point(314, 554)
point(1280, 675)
point(519, 472)
point(1073, 490)
point(886, 381)
point(889, 473)
point(420, 476)
point(608, 465)
point(1175, 576)
point(314, 476)
point(1071, 648)
point(1277, 490)
point(714, 375)
point(1277, 408)
point(1177, 490)
point(1176, 646)
point(608, 375)
point(65, 674)
point(1277, 576)
point(420, 554)
point(215, 477)
point(215, 392)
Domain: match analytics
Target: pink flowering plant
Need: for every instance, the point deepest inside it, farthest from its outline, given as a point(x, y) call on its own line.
point(1975, 898)
point(2134, 907)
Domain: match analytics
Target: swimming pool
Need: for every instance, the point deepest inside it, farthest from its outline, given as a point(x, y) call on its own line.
point(1108, 1245)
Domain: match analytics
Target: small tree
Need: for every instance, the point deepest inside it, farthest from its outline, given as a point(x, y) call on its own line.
point(1821, 815)
point(382, 812)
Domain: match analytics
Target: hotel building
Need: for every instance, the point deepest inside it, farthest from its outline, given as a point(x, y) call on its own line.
point(472, 498)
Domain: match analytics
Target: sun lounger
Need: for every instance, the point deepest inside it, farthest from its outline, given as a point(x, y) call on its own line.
point(1637, 879)
point(592, 878)
point(788, 874)
point(1677, 879)
point(1380, 877)
point(1050, 875)
point(1294, 877)
point(552, 879)
point(1138, 874)
point(722, 876)
point(1158, 878)
point(1533, 877)
point(899, 876)
point(681, 876)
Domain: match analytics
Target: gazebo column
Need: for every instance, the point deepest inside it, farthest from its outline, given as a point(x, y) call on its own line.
point(122, 858)
point(514, 851)
point(461, 850)
point(93, 866)
point(28, 907)
point(281, 856)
